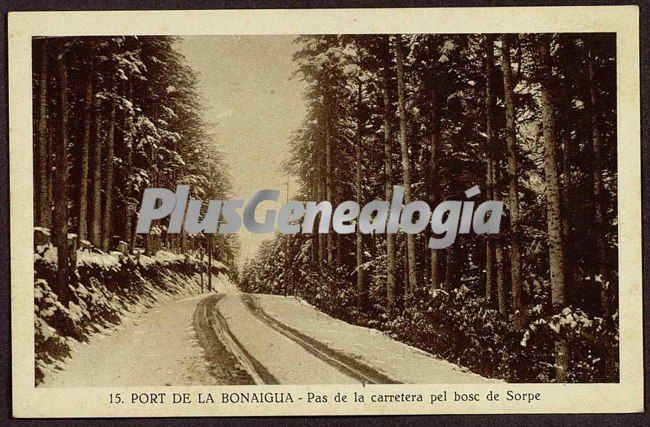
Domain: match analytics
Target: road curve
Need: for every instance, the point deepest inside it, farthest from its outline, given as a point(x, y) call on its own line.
point(345, 364)
point(223, 348)
point(228, 360)
point(234, 338)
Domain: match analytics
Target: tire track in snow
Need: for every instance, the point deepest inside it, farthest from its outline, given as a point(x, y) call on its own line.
point(223, 351)
point(345, 364)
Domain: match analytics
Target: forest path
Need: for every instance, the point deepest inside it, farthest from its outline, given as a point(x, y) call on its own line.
point(233, 338)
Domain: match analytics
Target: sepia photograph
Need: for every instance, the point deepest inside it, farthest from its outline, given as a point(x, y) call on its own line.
point(323, 221)
point(528, 118)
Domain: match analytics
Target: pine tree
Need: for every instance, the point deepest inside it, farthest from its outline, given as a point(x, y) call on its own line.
point(85, 142)
point(406, 168)
point(489, 150)
point(554, 220)
point(128, 142)
point(433, 196)
point(42, 208)
point(60, 220)
point(361, 289)
point(391, 285)
point(513, 186)
point(96, 205)
point(597, 179)
point(107, 224)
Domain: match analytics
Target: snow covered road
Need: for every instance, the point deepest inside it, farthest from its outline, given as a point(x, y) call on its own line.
point(298, 344)
point(287, 355)
point(234, 338)
point(155, 348)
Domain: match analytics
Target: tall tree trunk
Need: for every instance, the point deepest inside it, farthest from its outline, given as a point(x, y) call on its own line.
point(406, 168)
point(489, 244)
point(388, 165)
point(405, 280)
point(321, 196)
point(513, 187)
point(148, 239)
point(597, 182)
point(134, 238)
point(424, 257)
point(107, 229)
point(43, 218)
point(572, 269)
point(85, 142)
point(500, 266)
point(210, 249)
point(554, 219)
point(328, 178)
point(337, 238)
point(47, 218)
point(606, 285)
point(433, 196)
point(449, 268)
point(128, 141)
point(60, 229)
point(362, 293)
point(201, 265)
point(489, 152)
point(314, 194)
point(501, 278)
point(96, 206)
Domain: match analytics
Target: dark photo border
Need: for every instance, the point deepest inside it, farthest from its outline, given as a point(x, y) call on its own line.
point(98, 5)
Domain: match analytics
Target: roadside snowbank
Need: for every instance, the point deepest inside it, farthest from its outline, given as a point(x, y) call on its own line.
point(155, 347)
point(105, 288)
point(400, 361)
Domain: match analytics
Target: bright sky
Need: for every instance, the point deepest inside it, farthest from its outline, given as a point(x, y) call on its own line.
point(255, 105)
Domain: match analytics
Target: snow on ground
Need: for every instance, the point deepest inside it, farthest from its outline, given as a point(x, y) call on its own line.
point(398, 360)
point(222, 285)
point(154, 348)
point(151, 346)
point(111, 260)
point(158, 346)
point(287, 361)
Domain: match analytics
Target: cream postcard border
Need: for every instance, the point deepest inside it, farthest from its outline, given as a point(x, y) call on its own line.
point(626, 396)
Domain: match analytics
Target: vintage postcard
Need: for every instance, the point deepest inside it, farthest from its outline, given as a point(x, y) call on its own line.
point(308, 212)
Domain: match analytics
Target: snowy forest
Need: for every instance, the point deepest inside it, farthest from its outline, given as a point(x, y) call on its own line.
point(113, 116)
point(528, 118)
point(531, 120)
